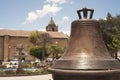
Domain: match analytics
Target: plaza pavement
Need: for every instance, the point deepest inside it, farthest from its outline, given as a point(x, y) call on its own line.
point(36, 77)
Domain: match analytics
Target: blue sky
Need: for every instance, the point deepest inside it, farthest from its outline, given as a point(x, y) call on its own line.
point(36, 14)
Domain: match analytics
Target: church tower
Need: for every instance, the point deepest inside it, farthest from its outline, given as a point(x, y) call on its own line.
point(52, 26)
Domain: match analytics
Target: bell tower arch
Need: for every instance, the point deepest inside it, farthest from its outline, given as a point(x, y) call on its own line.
point(52, 26)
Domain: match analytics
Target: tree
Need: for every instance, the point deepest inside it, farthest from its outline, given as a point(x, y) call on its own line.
point(111, 32)
point(37, 52)
point(37, 37)
point(115, 42)
point(109, 16)
point(40, 39)
point(56, 51)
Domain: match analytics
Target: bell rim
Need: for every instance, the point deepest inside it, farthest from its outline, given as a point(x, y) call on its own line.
point(83, 72)
point(108, 64)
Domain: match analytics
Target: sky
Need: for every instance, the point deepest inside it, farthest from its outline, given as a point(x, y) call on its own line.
point(36, 14)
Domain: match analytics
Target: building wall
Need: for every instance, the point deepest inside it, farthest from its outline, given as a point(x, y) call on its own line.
point(8, 45)
point(60, 41)
point(1, 47)
point(17, 42)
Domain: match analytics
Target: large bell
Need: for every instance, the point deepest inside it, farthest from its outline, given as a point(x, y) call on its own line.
point(86, 57)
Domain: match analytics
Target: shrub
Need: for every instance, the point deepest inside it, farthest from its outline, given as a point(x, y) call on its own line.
point(24, 65)
point(38, 71)
point(2, 72)
point(9, 72)
point(28, 72)
point(20, 71)
point(44, 71)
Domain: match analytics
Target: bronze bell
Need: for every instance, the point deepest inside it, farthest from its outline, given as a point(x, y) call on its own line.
point(86, 57)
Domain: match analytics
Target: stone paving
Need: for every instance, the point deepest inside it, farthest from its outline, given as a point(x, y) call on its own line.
point(37, 77)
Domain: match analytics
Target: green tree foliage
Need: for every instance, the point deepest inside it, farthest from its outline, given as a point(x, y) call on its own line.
point(56, 51)
point(111, 32)
point(41, 50)
point(35, 37)
point(37, 52)
point(115, 44)
point(39, 38)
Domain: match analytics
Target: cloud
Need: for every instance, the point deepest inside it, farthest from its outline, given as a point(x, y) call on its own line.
point(2, 28)
point(47, 9)
point(66, 32)
point(102, 18)
point(52, 7)
point(56, 1)
point(71, 2)
point(42, 30)
point(65, 18)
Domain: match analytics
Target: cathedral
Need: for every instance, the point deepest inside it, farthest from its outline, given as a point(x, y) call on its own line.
point(12, 40)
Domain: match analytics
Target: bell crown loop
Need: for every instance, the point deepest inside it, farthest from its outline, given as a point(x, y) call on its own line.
point(85, 13)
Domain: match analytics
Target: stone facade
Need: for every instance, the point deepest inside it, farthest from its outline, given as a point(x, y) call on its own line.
point(11, 39)
point(9, 43)
point(1, 47)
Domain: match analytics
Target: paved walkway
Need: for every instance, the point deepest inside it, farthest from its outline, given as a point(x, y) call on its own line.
point(38, 77)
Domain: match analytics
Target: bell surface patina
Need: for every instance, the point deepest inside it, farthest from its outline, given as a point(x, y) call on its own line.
point(86, 57)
